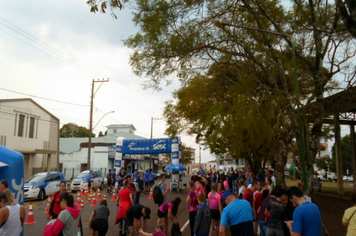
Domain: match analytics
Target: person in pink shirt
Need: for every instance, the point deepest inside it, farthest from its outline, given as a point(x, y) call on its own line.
point(192, 201)
point(215, 208)
point(169, 209)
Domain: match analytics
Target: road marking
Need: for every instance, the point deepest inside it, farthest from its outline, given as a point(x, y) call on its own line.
point(185, 225)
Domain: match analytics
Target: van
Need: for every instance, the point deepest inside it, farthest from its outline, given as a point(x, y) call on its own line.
point(43, 184)
point(81, 181)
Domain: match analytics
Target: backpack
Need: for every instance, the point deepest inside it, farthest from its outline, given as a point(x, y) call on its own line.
point(157, 195)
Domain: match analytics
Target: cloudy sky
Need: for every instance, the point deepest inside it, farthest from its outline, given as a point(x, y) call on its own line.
point(52, 50)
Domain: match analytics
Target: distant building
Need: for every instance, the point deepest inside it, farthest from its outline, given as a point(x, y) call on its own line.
point(32, 130)
point(73, 156)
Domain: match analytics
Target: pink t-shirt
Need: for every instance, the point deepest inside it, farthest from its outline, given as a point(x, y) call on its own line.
point(193, 201)
point(159, 233)
point(165, 207)
point(214, 201)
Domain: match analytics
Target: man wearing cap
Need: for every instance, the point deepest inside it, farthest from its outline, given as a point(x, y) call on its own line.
point(12, 216)
point(238, 215)
point(133, 218)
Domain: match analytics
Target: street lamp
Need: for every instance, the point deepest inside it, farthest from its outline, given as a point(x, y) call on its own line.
point(89, 143)
point(224, 23)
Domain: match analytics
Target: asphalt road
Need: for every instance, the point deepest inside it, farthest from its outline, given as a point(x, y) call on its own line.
point(183, 214)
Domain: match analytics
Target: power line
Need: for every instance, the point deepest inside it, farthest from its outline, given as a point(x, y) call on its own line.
point(48, 99)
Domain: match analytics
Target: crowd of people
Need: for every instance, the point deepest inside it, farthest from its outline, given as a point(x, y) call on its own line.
point(244, 203)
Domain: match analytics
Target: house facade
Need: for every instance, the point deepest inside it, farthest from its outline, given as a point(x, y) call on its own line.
point(30, 129)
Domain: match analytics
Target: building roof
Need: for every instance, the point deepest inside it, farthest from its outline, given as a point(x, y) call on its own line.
point(69, 145)
point(31, 100)
point(121, 126)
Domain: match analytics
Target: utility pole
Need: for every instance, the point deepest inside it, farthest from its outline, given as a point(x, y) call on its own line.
point(91, 116)
point(199, 154)
point(153, 118)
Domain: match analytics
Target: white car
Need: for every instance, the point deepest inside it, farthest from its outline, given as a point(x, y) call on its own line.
point(81, 181)
point(348, 178)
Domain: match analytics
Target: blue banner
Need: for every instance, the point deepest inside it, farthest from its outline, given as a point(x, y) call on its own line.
point(147, 146)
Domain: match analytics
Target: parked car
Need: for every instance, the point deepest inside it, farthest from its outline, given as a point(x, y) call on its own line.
point(159, 172)
point(81, 181)
point(348, 178)
point(42, 184)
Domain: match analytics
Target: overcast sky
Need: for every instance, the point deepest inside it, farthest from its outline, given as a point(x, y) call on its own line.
point(52, 50)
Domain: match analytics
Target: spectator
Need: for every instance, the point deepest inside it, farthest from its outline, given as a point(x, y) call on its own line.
point(142, 174)
point(109, 180)
point(124, 201)
point(306, 216)
point(215, 208)
point(269, 184)
point(349, 220)
point(138, 186)
point(55, 206)
point(277, 213)
point(164, 188)
point(257, 198)
point(133, 218)
point(242, 189)
point(98, 221)
point(169, 210)
point(202, 219)
point(238, 215)
point(12, 217)
point(192, 202)
point(233, 181)
point(159, 231)
point(261, 176)
point(248, 195)
point(152, 179)
point(221, 189)
point(226, 193)
point(147, 178)
point(113, 178)
point(266, 197)
point(131, 186)
point(91, 179)
point(68, 220)
point(269, 173)
point(4, 187)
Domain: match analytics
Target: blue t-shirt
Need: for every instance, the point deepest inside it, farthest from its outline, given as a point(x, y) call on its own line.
point(151, 176)
point(147, 176)
point(113, 176)
point(135, 175)
point(307, 219)
point(91, 177)
point(238, 215)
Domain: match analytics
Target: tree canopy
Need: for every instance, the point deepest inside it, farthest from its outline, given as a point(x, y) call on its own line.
point(71, 130)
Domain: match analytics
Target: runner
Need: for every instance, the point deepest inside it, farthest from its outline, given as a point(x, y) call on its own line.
point(169, 210)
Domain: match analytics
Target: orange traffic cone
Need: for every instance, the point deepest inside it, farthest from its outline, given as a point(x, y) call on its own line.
point(86, 192)
point(30, 219)
point(82, 205)
point(105, 196)
point(98, 195)
point(89, 198)
point(93, 201)
point(78, 199)
point(81, 192)
point(113, 195)
point(47, 207)
point(151, 193)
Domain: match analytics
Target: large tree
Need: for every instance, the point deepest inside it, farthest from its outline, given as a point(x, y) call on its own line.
point(184, 39)
point(73, 130)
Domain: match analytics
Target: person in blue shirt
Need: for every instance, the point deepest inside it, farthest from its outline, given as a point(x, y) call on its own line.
point(202, 218)
point(202, 173)
point(135, 174)
point(113, 177)
point(238, 215)
point(139, 187)
point(91, 179)
point(147, 178)
point(152, 180)
point(306, 216)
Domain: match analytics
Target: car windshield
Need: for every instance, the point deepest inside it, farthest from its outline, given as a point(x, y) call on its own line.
point(35, 178)
point(83, 175)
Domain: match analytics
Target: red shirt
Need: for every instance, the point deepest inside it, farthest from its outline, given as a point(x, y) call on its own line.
point(248, 196)
point(258, 200)
point(57, 206)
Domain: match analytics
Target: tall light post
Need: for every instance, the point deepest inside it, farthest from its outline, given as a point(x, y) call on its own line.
point(223, 23)
point(152, 119)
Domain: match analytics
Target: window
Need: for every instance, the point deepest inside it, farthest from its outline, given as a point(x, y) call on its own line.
point(21, 126)
point(32, 127)
point(115, 131)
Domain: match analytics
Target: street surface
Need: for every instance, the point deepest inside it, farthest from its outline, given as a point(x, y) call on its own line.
point(183, 213)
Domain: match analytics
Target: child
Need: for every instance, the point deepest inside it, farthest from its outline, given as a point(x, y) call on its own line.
point(159, 231)
point(202, 219)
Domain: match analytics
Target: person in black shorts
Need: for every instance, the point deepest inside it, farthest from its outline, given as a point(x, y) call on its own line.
point(133, 218)
point(109, 182)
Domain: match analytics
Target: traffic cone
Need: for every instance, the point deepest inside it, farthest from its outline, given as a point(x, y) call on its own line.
point(85, 192)
point(47, 207)
point(151, 193)
point(30, 219)
point(93, 201)
point(113, 195)
point(78, 199)
point(81, 192)
point(89, 198)
point(105, 196)
point(98, 195)
point(82, 205)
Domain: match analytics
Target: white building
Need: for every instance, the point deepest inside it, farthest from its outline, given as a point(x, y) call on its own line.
point(30, 129)
point(74, 152)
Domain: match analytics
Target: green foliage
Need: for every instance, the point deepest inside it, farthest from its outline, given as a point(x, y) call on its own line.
point(73, 130)
point(326, 163)
point(346, 154)
point(103, 5)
